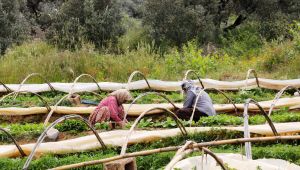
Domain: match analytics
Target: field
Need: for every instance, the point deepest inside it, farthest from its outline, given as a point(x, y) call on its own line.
point(244, 54)
point(26, 129)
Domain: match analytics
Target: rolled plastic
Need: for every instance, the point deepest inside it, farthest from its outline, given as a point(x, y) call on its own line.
point(137, 109)
point(157, 85)
point(117, 138)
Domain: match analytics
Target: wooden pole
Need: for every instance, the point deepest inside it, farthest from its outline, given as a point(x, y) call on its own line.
point(174, 148)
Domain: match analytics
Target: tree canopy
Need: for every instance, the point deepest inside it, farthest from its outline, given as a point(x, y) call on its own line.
point(69, 23)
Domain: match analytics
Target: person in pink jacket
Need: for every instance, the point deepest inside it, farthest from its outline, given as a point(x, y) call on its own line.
point(111, 108)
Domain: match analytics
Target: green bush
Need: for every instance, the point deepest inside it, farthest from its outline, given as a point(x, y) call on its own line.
point(96, 21)
point(134, 36)
point(64, 66)
point(294, 31)
point(102, 22)
point(173, 21)
point(191, 57)
point(280, 56)
point(244, 41)
point(274, 27)
point(14, 28)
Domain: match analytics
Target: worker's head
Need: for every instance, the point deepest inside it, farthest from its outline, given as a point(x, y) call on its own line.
point(186, 85)
point(122, 95)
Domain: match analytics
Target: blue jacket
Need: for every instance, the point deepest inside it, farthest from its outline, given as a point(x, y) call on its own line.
point(204, 103)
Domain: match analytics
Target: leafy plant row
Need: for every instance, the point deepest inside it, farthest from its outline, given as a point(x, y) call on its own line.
point(31, 131)
point(28, 100)
point(290, 152)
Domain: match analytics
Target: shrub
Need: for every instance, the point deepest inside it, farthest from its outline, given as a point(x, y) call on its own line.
point(274, 27)
point(295, 33)
point(191, 57)
point(173, 21)
point(280, 56)
point(98, 21)
point(102, 22)
point(242, 42)
point(14, 28)
point(135, 34)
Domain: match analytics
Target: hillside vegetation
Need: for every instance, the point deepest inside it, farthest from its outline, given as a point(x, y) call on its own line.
point(109, 39)
point(277, 60)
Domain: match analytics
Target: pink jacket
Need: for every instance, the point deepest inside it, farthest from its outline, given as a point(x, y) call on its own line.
point(116, 111)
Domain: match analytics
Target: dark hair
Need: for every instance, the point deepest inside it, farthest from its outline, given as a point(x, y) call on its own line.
point(185, 84)
point(182, 86)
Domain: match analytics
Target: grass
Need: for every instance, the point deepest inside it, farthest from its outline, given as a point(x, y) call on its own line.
point(278, 60)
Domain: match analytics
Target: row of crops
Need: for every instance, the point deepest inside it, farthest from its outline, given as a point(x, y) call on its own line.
point(26, 129)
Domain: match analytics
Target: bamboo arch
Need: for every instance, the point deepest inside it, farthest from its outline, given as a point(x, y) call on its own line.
point(31, 75)
point(248, 75)
point(80, 76)
point(196, 74)
point(7, 88)
point(228, 98)
point(200, 94)
point(195, 105)
point(56, 105)
point(145, 94)
point(53, 109)
point(278, 95)
point(188, 148)
point(39, 96)
point(131, 77)
point(246, 125)
point(44, 134)
point(170, 113)
point(15, 142)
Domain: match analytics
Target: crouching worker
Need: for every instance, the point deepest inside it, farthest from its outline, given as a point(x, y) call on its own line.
point(204, 105)
point(111, 109)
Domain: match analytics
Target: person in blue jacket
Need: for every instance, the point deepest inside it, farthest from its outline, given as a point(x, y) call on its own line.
point(204, 105)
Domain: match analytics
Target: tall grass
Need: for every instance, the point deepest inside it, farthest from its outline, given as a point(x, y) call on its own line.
point(274, 60)
point(63, 66)
point(280, 59)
